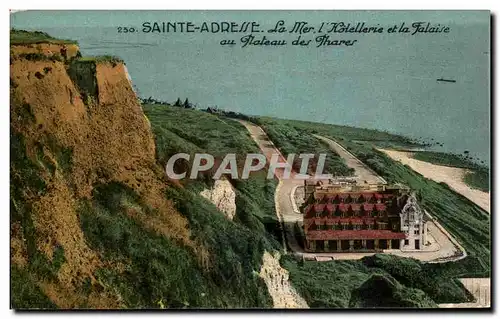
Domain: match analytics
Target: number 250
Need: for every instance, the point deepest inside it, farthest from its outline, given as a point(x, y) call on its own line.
point(126, 29)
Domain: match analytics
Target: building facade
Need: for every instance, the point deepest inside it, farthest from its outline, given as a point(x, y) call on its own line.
point(345, 216)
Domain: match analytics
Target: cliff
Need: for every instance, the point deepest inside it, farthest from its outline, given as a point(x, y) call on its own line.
point(75, 125)
point(94, 221)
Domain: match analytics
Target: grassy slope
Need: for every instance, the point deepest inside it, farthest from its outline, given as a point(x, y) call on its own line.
point(479, 176)
point(29, 37)
point(465, 220)
point(334, 284)
point(163, 273)
point(184, 130)
point(141, 267)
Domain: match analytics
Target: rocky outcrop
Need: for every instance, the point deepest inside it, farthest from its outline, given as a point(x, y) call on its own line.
point(278, 283)
point(222, 195)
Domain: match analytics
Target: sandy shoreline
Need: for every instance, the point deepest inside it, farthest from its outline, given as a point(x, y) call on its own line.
point(450, 175)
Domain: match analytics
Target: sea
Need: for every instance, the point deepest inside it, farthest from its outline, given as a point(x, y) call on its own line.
point(385, 81)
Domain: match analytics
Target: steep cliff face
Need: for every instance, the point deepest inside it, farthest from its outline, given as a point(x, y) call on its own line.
point(65, 141)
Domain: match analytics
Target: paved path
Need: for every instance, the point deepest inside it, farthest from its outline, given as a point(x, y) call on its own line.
point(363, 173)
point(283, 201)
point(287, 298)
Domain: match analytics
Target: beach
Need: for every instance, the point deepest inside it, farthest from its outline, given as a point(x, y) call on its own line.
point(450, 175)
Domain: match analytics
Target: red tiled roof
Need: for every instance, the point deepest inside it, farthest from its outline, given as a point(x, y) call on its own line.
point(378, 196)
point(368, 207)
point(318, 208)
point(380, 207)
point(335, 220)
point(353, 234)
point(356, 207)
point(330, 208)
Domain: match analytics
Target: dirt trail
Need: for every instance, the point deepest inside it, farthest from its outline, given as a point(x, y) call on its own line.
point(450, 175)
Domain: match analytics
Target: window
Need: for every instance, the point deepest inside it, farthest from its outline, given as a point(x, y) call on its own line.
point(370, 226)
point(407, 242)
point(318, 214)
point(318, 227)
point(344, 227)
point(416, 232)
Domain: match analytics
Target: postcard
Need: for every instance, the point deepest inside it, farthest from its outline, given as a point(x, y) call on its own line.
point(250, 159)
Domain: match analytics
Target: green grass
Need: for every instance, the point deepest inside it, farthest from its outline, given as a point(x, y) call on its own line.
point(343, 284)
point(164, 273)
point(446, 159)
point(34, 37)
point(192, 131)
point(291, 140)
point(479, 179)
point(41, 57)
point(159, 269)
point(25, 292)
point(26, 184)
point(101, 58)
point(197, 130)
point(354, 134)
point(382, 291)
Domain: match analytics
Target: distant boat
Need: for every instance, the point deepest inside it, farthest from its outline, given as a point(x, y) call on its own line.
point(446, 80)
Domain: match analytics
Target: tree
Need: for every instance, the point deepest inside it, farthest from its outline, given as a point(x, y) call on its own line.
point(186, 104)
point(178, 102)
